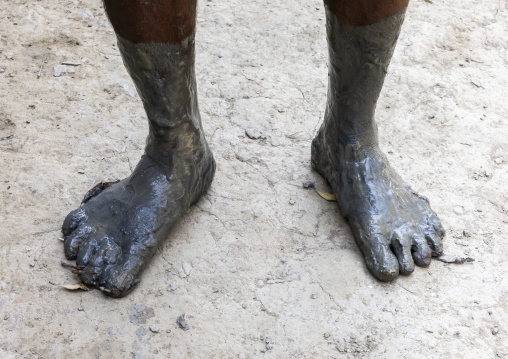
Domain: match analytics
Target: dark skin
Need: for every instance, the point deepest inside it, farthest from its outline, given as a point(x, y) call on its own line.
point(116, 232)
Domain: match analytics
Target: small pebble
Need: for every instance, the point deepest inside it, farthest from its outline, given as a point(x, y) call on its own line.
point(71, 69)
point(6, 316)
point(275, 142)
point(182, 323)
point(81, 171)
point(308, 184)
point(9, 56)
point(58, 70)
point(253, 133)
point(458, 210)
point(499, 160)
point(495, 330)
point(313, 296)
point(154, 329)
point(172, 288)
point(81, 309)
point(489, 311)
point(292, 202)
point(466, 233)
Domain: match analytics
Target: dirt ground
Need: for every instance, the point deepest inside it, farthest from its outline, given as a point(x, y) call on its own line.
point(261, 267)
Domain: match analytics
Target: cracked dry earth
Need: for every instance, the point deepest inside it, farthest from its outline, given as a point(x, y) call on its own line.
point(261, 267)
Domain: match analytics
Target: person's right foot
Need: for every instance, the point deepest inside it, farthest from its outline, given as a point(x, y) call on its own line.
point(114, 234)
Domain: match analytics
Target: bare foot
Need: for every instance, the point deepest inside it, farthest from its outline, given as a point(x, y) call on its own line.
point(114, 235)
point(394, 227)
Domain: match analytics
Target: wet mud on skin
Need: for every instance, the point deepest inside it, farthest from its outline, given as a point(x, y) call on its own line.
point(115, 233)
point(394, 227)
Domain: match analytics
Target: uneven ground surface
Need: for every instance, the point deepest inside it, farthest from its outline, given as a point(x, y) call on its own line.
point(261, 267)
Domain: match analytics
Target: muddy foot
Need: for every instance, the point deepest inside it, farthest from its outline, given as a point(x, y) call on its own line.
point(114, 235)
point(394, 227)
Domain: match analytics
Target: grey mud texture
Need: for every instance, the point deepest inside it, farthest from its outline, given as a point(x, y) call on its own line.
point(393, 226)
point(114, 234)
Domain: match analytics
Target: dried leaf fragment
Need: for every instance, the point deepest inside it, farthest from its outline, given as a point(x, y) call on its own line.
point(75, 286)
point(450, 258)
point(327, 196)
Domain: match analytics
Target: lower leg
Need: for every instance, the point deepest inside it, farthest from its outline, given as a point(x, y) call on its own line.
point(114, 234)
point(393, 226)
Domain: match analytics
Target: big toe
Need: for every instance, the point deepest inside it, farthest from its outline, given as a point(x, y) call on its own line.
point(380, 260)
point(120, 279)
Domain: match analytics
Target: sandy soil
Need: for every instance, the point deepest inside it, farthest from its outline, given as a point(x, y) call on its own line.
point(261, 267)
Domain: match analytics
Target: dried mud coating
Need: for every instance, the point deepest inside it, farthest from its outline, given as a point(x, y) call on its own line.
point(393, 226)
point(114, 234)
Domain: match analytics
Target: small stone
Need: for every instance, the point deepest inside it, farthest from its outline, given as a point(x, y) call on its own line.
point(9, 56)
point(458, 210)
point(326, 335)
point(252, 133)
point(71, 69)
point(489, 311)
point(466, 233)
point(154, 329)
point(244, 306)
point(81, 171)
point(182, 323)
point(495, 330)
point(499, 160)
point(308, 184)
point(187, 268)
point(81, 309)
point(2, 71)
point(275, 142)
point(58, 70)
point(172, 287)
point(313, 296)
point(292, 201)
point(6, 316)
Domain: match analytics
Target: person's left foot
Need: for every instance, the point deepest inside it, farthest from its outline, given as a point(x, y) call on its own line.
point(114, 235)
point(394, 227)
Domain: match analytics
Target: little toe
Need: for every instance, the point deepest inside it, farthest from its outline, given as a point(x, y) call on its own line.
point(421, 251)
point(401, 247)
point(74, 240)
point(434, 222)
point(435, 242)
point(72, 221)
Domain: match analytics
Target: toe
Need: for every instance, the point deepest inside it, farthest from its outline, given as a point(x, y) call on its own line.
point(401, 246)
point(435, 223)
point(107, 254)
point(119, 280)
point(86, 252)
point(421, 251)
point(72, 221)
point(74, 240)
point(379, 258)
point(435, 242)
